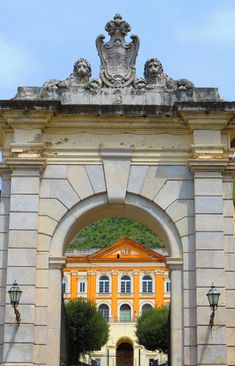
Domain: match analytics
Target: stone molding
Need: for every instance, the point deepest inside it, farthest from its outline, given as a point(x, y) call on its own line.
point(57, 262)
point(174, 263)
point(215, 165)
point(34, 163)
point(120, 154)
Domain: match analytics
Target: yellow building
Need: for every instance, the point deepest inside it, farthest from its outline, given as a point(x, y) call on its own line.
point(123, 279)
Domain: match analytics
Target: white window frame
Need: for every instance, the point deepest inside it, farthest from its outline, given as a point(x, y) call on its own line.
point(104, 283)
point(147, 284)
point(125, 283)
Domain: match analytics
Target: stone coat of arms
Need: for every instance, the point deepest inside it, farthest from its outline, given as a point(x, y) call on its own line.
point(117, 56)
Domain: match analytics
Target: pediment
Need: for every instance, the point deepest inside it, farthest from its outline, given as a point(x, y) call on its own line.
point(126, 250)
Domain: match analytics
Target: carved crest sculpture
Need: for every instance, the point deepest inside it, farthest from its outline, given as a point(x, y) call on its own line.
point(117, 56)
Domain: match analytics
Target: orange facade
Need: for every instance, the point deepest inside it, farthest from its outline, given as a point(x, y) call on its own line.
point(124, 275)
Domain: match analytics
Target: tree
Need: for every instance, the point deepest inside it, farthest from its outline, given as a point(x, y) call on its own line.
point(152, 329)
point(101, 233)
point(88, 330)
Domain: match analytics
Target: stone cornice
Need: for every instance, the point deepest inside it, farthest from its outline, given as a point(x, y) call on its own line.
point(57, 262)
point(212, 165)
point(33, 119)
point(30, 163)
point(215, 120)
point(119, 154)
point(174, 263)
point(37, 114)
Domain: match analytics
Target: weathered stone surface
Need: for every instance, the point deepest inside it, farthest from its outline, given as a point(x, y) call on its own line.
point(210, 205)
point(116, 168)
point(21, 257)
point(23, 221)
point(212, 354)
point(19, 185)
point(136, 178)
point(78, 178)
point(210, 240)
point(208, 187)
point(209, 259)
point(46, 225)
point(209, 223)
point(154, 181)
point(56, 172)
point(96, 177)
point(52, 208)
point(60, 189)
point(173, 190)
point(26, 203)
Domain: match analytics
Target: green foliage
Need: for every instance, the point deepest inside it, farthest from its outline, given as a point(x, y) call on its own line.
point(152, 329)
point(104, 232)
point(88, 330)
point(88, 86)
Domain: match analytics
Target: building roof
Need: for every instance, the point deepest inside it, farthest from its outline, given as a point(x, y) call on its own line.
point(123, 250)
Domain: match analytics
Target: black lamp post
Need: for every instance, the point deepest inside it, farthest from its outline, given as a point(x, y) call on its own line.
point(14, 295)
point(213, 298)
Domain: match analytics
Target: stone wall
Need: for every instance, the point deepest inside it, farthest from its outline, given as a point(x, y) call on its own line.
point(64, 169)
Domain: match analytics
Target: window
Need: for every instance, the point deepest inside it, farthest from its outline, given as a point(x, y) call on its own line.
point(147, 284)
point(125, 284)
point(125, 313)
point(104, 309)
point(104, 284)
point(167, 286)
point(82, 287)
point(146, 307)
point(64, 285)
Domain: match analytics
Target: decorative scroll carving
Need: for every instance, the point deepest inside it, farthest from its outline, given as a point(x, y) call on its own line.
point(117, 57)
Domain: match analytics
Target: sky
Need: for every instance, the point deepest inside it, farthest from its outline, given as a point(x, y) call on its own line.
point(41, 40)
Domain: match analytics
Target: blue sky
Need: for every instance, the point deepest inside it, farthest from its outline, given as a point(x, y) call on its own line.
point(41, 40)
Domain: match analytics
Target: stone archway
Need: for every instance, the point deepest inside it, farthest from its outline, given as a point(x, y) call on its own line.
point(135, 207)
point(124, 353)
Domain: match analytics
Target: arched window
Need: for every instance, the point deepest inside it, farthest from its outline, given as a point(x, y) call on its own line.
point(104, 284)
point(125, 284)
point(125, 313)
point(104, 309)
point(147, 284)
point(146, 307)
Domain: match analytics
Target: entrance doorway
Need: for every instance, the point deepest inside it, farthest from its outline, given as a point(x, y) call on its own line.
point(124, 354)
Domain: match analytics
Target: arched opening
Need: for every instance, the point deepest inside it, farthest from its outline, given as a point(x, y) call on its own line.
point(104, 309)
point(124, 354)
point(125, 313)
point(138, 209)
point(146, 307)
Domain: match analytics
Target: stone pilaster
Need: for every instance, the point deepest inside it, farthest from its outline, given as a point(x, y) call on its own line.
point(210, 260)
point(56, 265)
point(21, 259)
point(175, 266)
point(229, 266)
point(4, 224)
